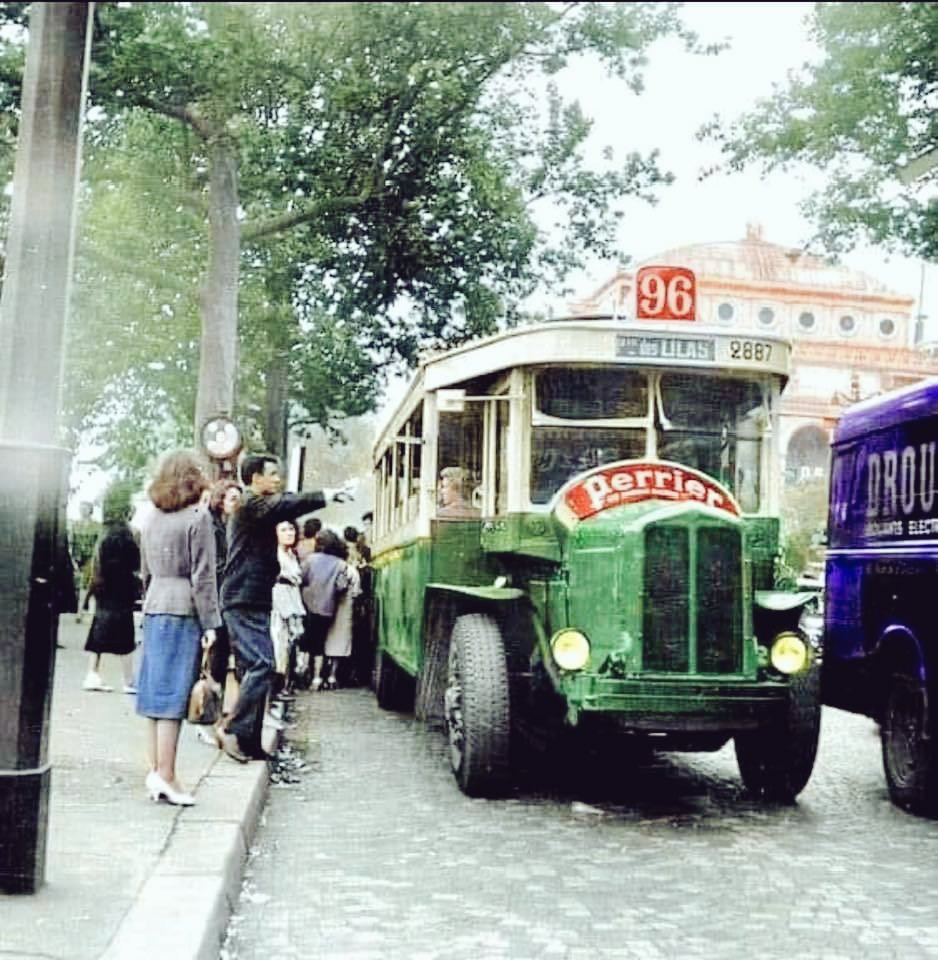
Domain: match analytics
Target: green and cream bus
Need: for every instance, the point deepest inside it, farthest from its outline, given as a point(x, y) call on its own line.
point(612, 564)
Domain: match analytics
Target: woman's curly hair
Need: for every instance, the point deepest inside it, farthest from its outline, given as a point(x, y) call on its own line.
point(180, 481)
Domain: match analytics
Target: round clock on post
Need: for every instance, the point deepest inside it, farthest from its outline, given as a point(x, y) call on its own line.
point(221, 440)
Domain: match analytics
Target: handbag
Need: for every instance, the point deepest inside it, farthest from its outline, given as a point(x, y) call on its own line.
point(205, 697)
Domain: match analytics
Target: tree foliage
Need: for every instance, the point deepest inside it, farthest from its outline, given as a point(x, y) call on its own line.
point(303, 196)
point(804, 520)
point(862, 114)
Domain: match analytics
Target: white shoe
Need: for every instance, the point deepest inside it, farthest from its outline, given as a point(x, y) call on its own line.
point(158, 788)
point(93, 681)
point(130, 688)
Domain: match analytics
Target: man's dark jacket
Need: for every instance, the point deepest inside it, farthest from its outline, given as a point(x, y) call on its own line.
point(252, 566)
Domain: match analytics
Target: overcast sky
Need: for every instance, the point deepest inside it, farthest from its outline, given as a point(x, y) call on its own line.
point(682, 92)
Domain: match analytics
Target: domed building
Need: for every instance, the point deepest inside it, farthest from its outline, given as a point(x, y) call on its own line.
point(850, 332)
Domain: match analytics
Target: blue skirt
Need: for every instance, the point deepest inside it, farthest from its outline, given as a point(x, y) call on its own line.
point(172, 652)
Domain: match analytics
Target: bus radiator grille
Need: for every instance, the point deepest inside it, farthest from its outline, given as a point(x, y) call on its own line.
point(713, 581)
point(667, 564)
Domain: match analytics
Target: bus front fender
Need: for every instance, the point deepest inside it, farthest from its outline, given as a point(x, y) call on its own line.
point(444, 603)
point(782, 601)
point(488, 594)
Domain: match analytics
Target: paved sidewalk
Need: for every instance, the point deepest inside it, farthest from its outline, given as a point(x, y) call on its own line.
point(126, 878)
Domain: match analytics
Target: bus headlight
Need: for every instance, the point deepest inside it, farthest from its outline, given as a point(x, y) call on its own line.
point(789, 653)
point(570, 649)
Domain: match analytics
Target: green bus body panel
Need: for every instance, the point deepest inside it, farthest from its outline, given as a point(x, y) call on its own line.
point(762, 539)
point(452, 556)
point(400, 578)
point(529, 534)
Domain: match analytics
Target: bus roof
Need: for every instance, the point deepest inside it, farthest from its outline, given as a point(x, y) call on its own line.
point(586, 340)
point(887, 410)
point(595, 340)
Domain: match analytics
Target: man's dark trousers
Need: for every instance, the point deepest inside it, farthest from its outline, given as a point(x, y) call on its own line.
point(249, 631)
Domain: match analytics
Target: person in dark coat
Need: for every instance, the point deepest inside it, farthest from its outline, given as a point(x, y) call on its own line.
point(247, 594)
point(224, 500)
point(115, 586)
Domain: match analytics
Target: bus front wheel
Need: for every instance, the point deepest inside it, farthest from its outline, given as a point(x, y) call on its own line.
point(476, 706)
point(910, 756)
point(776, 761)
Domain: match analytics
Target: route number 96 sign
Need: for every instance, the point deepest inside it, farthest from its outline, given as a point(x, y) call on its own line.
point(665, 293)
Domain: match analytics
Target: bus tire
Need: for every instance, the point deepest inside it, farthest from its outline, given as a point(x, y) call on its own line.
point(476, 705)
point(775, 762)
point(910, 757)
point(391, 683)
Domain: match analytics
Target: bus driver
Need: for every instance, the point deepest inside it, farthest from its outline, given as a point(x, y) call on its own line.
point(455, 495)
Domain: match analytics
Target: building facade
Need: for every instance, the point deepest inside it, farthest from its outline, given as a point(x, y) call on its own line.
point(852, 335)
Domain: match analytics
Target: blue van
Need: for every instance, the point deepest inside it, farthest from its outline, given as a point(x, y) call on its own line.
point(881, 583)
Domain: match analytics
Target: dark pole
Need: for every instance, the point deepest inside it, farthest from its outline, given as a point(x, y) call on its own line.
point(33, 485)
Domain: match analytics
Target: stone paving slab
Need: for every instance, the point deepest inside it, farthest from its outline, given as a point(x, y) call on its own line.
point(126, 878)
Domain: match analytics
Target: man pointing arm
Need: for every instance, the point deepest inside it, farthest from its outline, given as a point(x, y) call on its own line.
point(250, 574)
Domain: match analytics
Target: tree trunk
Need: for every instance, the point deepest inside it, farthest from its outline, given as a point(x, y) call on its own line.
point(218, 360)
point(275, 424)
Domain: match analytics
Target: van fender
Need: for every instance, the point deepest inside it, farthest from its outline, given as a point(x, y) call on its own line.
point(443, 604)
point(899, 649)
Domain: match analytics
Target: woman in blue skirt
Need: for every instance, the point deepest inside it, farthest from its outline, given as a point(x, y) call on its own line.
point(180, 611)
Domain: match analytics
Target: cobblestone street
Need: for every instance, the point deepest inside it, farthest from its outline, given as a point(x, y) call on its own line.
point(374, 853)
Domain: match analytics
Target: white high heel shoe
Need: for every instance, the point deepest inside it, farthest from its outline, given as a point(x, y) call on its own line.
point(158, 788)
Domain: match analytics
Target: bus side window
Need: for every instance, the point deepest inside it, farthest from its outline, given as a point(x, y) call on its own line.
point(459, 441)
point(414, 436)
point(384, 495)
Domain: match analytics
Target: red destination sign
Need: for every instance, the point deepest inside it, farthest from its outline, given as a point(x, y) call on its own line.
point(634, 481)
point(665, 293)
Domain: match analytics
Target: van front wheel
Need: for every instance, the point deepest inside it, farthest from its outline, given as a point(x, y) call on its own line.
point(476, 705)
point(910, 757)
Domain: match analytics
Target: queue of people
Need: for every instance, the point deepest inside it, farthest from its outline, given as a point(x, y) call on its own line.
point(222, 568)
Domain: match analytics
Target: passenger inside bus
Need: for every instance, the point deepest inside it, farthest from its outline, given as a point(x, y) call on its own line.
point(455, 495)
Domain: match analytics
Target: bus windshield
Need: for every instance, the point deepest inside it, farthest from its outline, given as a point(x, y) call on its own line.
point(715, 424)
point(586, 417)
